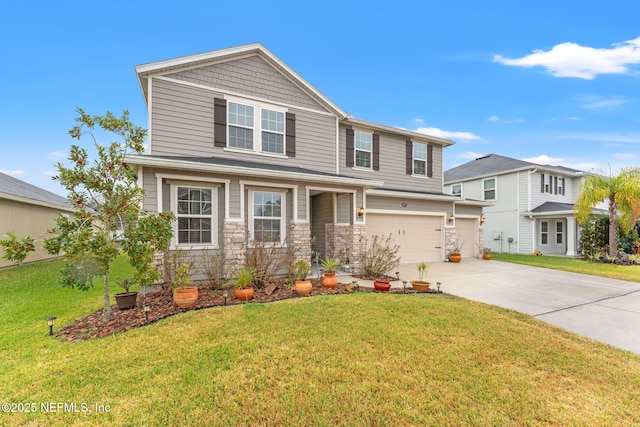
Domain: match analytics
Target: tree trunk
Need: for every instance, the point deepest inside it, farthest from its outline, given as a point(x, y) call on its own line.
point(613, 228)
point(106, 311)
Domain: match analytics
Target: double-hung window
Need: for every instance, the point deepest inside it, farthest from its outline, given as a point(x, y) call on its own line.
point(559, 232)
point(489, 186)
point(544, 233)
point(246, 121)
point(419, 159)
point(268, 216)
point(195, 214)
point(363, 149)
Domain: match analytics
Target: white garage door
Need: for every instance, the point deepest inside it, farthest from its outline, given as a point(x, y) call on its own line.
point(467, 231)
point(419, 237)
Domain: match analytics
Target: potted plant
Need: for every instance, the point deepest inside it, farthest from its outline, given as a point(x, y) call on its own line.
point(183, 294)
point(454, 255)
point(126, 299)
point(382, 285)
point(330, 265)
point(486, 253)
point(243, 284)
point(299, 270)
point(420, 284)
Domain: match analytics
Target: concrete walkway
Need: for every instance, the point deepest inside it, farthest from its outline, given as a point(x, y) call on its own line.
point(606, 310)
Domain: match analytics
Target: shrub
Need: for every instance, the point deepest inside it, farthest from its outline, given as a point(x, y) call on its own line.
point(378, 257)
point(16, 249)
point(267, 259)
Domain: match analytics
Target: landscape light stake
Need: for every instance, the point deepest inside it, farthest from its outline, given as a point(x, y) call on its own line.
point(355, 285)
point(146, 307)
point(225, 295)
point(50, 322)
point(404, 286)
point(438, 284)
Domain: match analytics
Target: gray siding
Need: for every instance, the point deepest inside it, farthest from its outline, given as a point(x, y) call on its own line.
point(321, 214)
point(150, 201)
point(344, 214)
point(252, 76)
point(413, 205)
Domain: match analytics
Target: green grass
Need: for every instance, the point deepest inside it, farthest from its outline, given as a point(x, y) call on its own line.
point(360, 359)
point(612, 271)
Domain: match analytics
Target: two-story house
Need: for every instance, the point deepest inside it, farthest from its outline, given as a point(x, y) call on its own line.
point(531, 205)
point(242, 148)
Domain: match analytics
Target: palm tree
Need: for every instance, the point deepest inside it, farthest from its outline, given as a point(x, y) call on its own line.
point(622, 192)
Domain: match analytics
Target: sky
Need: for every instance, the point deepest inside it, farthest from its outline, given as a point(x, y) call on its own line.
point(552, 82)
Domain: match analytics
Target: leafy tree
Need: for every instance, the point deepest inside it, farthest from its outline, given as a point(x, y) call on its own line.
point(622, 192)
point(16, 249)
point(105, 196)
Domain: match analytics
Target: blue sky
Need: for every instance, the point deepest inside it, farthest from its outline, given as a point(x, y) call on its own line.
point(551, 81)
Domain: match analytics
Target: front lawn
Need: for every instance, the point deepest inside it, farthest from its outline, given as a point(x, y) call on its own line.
point(358, 359)
point(576, 265)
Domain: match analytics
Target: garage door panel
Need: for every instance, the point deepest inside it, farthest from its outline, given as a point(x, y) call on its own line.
point(467, 232)
point(419, 236)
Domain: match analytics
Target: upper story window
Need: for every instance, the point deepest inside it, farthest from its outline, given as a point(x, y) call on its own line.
point(456, 189)
point(254, 127)
point(267, 216)
point(560, 185)
point(489, 189)
point(363, 149)
point(195, 215)
point(552, 184)
point(419, 159)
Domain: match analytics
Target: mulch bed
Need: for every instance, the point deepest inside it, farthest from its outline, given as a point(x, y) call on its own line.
point(162, 306)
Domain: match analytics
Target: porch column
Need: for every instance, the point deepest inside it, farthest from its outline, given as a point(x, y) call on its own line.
point(571, 236)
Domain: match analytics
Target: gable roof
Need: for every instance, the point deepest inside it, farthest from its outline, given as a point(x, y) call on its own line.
point(206, 58)
point(15, 189)
point(493, 164)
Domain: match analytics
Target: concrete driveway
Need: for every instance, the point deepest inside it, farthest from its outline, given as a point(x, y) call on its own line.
point(606, 310)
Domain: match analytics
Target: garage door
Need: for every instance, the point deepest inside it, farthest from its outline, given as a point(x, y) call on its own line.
point(467, 231)
point(419, 237)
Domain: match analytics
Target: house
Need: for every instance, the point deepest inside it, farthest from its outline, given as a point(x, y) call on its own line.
point(532, 204)
point(27, 210)
point(242, 148)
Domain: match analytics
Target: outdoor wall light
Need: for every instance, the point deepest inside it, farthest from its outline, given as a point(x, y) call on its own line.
point(451, 218)
point(146, 307)
point(482, 219)
point(225, 295)
point(360, 212)
point(50, 322)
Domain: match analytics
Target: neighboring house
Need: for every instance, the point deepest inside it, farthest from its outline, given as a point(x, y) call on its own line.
point(27, 210)
point(241, 148)
point(532, 204)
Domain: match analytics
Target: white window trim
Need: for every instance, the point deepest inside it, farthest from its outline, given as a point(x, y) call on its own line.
point(356, 149)
point(257, 127)
point(414, 158)
point(461, 189)
point(548, 183)
point(559, 233)
point(560, 185)
point(214, 215)
point(283, 213)
point(495, 188)
point(544, 232)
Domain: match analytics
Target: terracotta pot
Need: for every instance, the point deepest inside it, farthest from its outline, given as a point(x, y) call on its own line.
point(330, 280)
point(126, 300)
point(303, 287)
point(382, 285)
point(455, 257)
point(486, 256)
point(186, 297)
point(419, 285)
point(243, 294)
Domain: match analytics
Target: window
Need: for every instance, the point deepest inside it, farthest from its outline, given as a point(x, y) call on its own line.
point(560, 185)
point(547, 183)
point(195, 215)
point(419, 159)
point(456, 189)
point(559, 232)
point(544, 233)
point(489, 186)
point(363, 149)
point(243, 126)
point(268, 216)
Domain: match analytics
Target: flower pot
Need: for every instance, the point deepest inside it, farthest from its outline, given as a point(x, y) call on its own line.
point(455, 257)
point(420, 285)
point(486, 256)
point(243, 294)
point(382, 285)
point(186, 297)
point(126, 300)
point(303, 287)
point(330, 280)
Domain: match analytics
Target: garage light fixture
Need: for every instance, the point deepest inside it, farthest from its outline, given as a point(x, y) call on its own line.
point(451, 218)
point(482, 219)
point(360, 212)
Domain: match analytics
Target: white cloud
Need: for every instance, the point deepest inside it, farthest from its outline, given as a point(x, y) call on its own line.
point(624, 156)
point(583, 62)
point(462, 136)
point(603, 103)
point(494, 119)
point(57, 155)
point(418, 122)
point(12, 172)
point(543, 159)
point(470, 155)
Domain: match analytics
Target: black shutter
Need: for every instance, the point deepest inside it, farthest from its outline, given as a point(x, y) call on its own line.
point(555, 185)
point(220, 122)
point(376, 152)
point(542, 183)
point(564, 184)
point(430, 161)
point(350, 144)
point(291, 134)
point(409, 157)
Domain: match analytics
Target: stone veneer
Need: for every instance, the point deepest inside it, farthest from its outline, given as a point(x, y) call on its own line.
point(342, 237)
point(300, 240)
point(235, 237)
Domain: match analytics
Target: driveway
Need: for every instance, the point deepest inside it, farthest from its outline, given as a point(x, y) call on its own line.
point(606, 310)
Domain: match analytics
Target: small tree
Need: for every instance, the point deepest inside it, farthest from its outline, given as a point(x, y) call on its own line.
point(105, 196)
point(15, 249)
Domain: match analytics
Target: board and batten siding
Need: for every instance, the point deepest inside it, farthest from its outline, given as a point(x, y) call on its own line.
point(393, 169)
point(252, 76)
point(183, 125)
